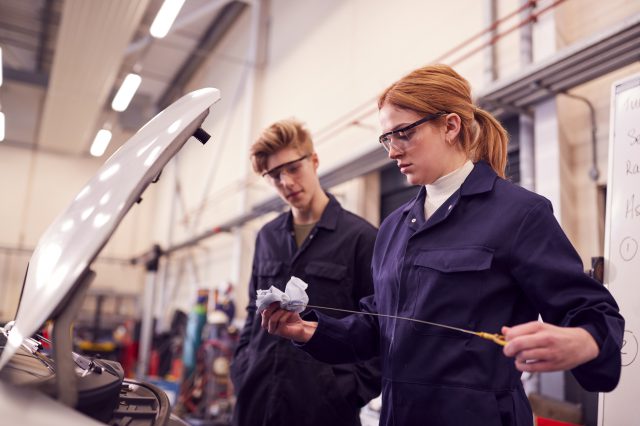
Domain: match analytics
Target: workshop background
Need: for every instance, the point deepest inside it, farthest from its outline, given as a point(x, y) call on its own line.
point(545, 68)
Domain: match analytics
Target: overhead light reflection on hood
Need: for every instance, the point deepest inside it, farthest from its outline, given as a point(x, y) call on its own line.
point(174, 126)
point(46, 263)
point(109, 172)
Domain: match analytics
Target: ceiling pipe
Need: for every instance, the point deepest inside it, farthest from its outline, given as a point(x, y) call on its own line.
point(490, 73)
point(594, 173)
point(45, 34)
point(247, 134)
point(526, 136)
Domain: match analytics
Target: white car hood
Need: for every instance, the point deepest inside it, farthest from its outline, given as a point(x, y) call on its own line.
point(75, 238)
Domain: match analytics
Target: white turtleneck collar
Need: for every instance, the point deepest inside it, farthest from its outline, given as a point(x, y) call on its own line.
point(439, 191)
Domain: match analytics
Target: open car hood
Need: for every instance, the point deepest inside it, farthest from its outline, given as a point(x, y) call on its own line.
point(75, 238)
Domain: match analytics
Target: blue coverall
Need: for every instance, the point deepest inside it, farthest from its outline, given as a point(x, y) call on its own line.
point(277, 384)
point(492, 255)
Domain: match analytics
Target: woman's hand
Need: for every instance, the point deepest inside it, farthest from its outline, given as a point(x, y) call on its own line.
point(538, 346)
point(287, 324)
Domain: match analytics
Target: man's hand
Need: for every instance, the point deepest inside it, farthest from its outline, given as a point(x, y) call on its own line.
point(537, 346)
point(287, 324)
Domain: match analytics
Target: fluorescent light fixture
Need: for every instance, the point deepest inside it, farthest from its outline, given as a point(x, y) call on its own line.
point(0, 66)
point(1, 126)
point(100, 143)
point(125, 93)
point(165, 17)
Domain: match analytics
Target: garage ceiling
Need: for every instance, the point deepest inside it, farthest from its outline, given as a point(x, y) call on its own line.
point(65, 59)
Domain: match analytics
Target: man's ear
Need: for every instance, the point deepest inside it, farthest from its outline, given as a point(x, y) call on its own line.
point(315, 160)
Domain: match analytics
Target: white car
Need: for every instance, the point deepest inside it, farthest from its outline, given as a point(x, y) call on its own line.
point(68, 388)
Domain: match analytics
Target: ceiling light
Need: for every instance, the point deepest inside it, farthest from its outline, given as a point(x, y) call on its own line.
point(1, 126)
point(165, 17)
point(125, 93)
point(100, 143)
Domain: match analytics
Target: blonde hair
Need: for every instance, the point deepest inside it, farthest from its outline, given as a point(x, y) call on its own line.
point(437, 88)
point(288, 133)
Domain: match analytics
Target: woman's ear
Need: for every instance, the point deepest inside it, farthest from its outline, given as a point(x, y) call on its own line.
point(452, 127)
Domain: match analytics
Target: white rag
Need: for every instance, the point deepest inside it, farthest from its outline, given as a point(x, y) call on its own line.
point(293, 299)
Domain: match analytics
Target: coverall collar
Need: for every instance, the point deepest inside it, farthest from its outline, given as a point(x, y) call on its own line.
point(328, 219)
point(480, 180)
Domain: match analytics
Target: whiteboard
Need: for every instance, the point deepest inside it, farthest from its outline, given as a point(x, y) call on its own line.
point(622, 251)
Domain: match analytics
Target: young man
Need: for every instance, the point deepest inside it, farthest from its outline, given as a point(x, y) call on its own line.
point(330, 249)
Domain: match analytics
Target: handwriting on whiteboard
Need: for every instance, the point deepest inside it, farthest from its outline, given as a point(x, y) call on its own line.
point(628, 248)
point(632, 209)
point(629, 350)
point(631, 103)
point(634, 136)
